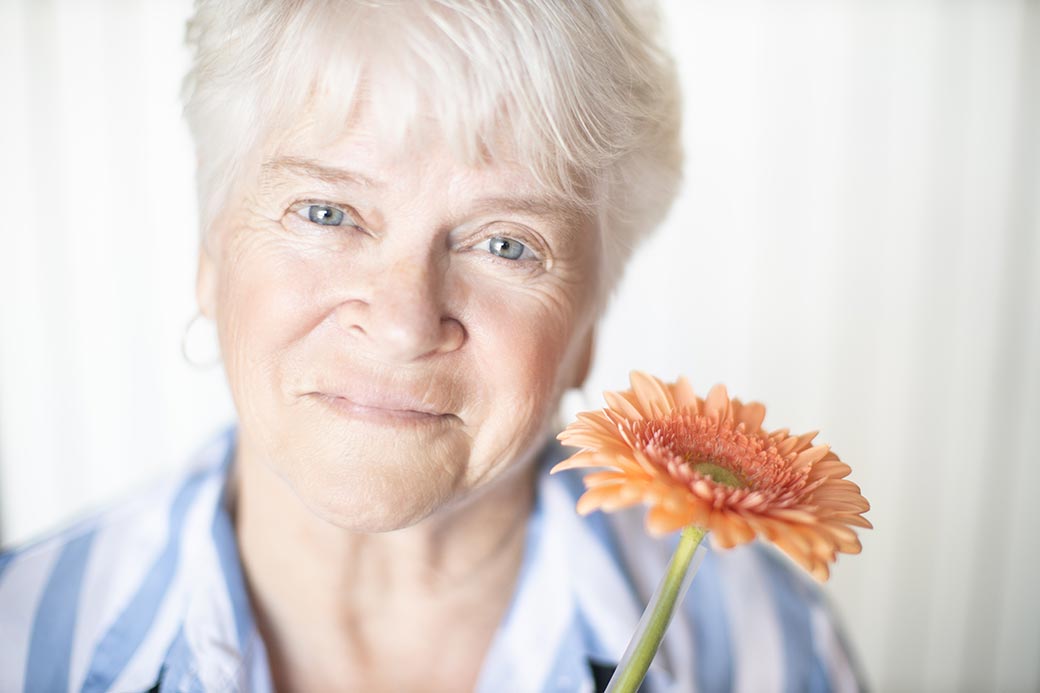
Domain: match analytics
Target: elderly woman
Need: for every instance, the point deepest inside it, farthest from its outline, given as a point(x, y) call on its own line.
point(412, 214)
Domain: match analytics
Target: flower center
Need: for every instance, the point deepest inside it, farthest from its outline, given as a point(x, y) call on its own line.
point(720, 475)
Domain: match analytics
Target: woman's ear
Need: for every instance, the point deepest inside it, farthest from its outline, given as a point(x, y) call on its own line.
point(584, 364)
point(206, 282)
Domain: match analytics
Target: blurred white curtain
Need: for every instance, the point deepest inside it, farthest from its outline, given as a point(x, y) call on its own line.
point(857, 246)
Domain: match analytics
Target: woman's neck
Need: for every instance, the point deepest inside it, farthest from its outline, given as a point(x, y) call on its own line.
point(344, 610)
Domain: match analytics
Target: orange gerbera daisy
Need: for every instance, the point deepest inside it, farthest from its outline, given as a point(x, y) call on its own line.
point(709, 463)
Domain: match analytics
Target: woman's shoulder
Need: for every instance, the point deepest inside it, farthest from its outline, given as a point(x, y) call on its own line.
point(140, 515)
point(63, 596)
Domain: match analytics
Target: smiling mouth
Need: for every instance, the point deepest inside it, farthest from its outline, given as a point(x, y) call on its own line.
point(381, 415)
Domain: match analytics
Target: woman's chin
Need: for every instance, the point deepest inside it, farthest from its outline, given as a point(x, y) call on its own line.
point(379, 500)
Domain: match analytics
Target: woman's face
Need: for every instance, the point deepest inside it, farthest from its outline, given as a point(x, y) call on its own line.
point(396, 327)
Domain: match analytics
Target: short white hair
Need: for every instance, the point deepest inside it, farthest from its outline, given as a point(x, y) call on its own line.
point(581, 92)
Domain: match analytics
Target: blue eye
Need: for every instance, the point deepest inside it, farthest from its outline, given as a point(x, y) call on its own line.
point(325, 215)
point(507, 248)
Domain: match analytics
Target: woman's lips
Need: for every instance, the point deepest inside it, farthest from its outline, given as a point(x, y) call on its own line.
point(380, 415)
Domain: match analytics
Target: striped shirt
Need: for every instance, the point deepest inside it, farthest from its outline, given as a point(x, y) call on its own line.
point(149, 595)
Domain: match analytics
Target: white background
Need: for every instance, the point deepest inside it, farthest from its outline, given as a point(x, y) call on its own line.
point(857, 245)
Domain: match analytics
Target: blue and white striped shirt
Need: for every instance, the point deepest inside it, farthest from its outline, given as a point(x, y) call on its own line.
point(149, 595)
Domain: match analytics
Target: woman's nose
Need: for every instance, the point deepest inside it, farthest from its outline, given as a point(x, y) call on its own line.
point(402, 316)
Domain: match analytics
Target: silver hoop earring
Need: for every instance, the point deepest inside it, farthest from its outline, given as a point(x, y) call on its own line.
point(199, 344)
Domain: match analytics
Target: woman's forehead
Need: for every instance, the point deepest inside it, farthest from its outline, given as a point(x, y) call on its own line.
point(361, 154)
point(370, 127)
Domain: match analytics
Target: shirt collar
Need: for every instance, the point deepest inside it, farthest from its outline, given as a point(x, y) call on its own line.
point(217, 646)
point(575, 603)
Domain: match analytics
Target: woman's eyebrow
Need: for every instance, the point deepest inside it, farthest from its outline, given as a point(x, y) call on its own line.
point(546, 206)
point(537, 205)
point(312, 169)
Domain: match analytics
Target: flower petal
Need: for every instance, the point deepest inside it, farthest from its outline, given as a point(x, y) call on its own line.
point(654, 398)
point(581, 460)
point(810, 456)
point(620, 404)
point(729, 530)
point(661, 521)
point(683, 394)
point(786, 446)
point(805, 440)
point(752, 415)
point(595, 497)
point(717, 402)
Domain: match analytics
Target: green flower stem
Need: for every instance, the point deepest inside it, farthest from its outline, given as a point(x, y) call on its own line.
point(647, 638)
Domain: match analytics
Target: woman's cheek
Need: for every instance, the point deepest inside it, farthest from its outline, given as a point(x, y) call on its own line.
point(264, 311)
point(274, 282)
point(519, 335)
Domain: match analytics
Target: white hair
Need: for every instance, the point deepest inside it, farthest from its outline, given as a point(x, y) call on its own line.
point(578, 91)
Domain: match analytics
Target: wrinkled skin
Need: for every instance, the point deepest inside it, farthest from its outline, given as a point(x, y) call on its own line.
point(411, 302)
